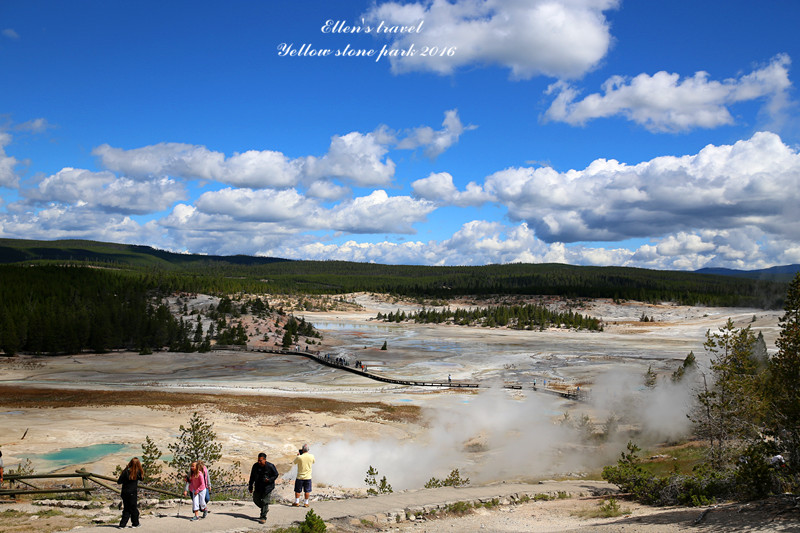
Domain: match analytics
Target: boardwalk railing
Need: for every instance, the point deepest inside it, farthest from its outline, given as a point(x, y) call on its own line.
point(332, 362)
point(86, 490)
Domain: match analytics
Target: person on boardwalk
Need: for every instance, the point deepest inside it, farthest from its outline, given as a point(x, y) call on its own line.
point(1, 467)
point(129, 479)
point(302, 484)
point(201, 467)
point(196, 485)
point(261, 484)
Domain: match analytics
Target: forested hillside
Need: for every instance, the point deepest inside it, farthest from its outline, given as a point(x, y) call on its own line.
point(227, 274)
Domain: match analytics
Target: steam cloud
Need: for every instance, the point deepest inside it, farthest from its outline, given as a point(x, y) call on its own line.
point(498, 435)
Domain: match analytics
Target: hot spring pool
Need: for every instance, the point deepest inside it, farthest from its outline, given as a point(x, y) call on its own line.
point(76, 456)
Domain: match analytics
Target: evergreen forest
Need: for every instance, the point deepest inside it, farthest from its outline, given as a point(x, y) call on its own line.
point(71, 296)
point(528, 316)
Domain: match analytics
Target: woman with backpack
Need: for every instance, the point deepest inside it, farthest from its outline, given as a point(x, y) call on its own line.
point(129, 479)
point(197, 487)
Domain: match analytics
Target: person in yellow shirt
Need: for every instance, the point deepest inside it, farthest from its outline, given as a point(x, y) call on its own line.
point(302, 484)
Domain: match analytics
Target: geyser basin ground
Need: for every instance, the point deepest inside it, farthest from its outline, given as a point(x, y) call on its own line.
point(626, 348)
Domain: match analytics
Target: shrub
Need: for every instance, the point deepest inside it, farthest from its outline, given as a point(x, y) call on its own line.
point(376, 487)
point(454, 479)
point(755, 477)
point(610, 508)
point(313, 523)
point(703, 486)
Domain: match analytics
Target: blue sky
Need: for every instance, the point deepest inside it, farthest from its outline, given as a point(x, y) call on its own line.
point(597, 132)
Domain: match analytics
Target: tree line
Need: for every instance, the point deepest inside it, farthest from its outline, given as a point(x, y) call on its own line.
point(523, 316)
point(69, 309)
point(747, 410)
point(231, 274)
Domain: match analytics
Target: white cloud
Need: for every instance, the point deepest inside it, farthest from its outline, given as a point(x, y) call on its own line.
point(752, 183)
point(378, 213)
point(375, 213)
point(8, 176)
point(481, 242)
point(355, 157)
point(188, 228)
point(439, 187)
point(436, 142)
point(559, 38)
point(105, 191)
point(58, 221)
point(249, 169)
point(665, 103)
point(10, 33)
point(37, 125)
point(263, 205)
point(327, 190)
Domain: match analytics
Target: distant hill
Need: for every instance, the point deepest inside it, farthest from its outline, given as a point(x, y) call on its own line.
point(20, 251)
point(232, 274)
point(777, 273)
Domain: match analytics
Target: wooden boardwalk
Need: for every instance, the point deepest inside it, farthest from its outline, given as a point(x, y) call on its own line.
point(331, 362)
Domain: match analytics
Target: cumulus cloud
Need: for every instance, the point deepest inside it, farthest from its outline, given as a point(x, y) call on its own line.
point(188, 228)
point(357, 159)
point(375, 213)
point(439, 187)
point(58, 221)
point(379, 213)
point(664, 102)
point(559, 38)
point(248, 169)
point(105, 191)
point(8, 176)
point(436, 142)
point(264, 205)
point(751, 183)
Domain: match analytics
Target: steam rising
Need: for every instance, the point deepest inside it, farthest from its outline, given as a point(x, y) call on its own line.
point(499, 435)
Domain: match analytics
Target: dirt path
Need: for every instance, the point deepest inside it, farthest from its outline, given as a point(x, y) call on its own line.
point(517, 510)
point(382, 511)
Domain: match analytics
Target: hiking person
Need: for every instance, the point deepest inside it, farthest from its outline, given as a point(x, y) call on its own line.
point(302, 484)
point(129, 479)
point(261, 484)
point(201, 466)
point(196, 486)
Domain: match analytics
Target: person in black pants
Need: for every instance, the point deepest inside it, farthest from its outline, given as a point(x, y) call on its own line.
point(129, 479)
point(262, 483)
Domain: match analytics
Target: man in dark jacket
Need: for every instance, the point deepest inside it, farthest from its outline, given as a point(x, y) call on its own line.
point(262, 483)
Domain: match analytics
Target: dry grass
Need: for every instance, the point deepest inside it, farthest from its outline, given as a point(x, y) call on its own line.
point(40, 397)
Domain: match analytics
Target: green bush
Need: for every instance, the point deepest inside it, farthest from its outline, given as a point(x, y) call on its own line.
point(610, 508)
point(313, 523)
point(454, 479)
point(755, 477)
point(702, 487)
point(376, 487)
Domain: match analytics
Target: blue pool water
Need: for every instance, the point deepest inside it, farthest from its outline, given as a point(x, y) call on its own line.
point(76, 456)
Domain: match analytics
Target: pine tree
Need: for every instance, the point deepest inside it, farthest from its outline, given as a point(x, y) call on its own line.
point(197, 442)
point(784, 383)
point(151, 463)
point(650, 378)
point(730, 406)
